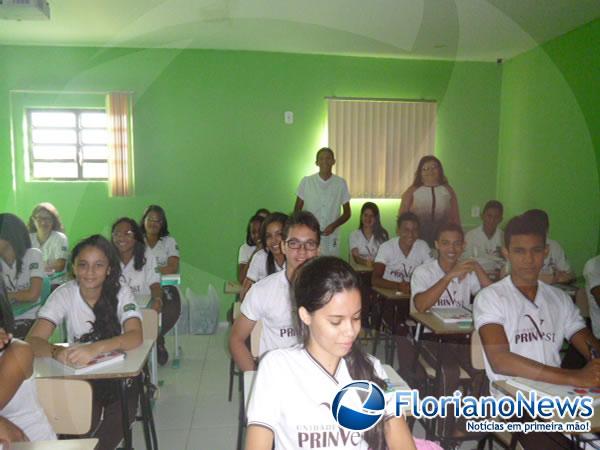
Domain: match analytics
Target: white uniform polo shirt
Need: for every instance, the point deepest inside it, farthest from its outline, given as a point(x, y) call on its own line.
point(367, 248)
point(486, 252)
point(257, 269)
point(269, 301)
point(245, 253)
point(591, 273)
point(67, 304)
point(164, 248)
point(292, 396)
point(398, 266)
point(140, 280)
point(556, 259)
point(324, 198)
point(535, 330)
point(458, 292)
point(31, 267)
point(55, 247)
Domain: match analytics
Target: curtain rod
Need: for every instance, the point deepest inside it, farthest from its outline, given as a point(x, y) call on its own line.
point(371, 99)
point(30, 91)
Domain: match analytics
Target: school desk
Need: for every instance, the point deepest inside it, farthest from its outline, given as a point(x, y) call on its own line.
point(67, 444)
point(130, 367)
point(360, 268)
point(399, 302)
point(233, 287)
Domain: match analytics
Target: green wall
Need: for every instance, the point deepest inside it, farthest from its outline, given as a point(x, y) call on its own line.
point(549, 150)
point(210, 142)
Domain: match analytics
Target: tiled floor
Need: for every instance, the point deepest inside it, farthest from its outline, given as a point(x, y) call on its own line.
point(192, 411)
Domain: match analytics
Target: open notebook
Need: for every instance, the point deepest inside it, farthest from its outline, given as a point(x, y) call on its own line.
point(453, 315)
point(554, 390)
point(100, 361)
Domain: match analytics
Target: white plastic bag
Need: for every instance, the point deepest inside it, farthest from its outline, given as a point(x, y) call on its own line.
point(204, 311)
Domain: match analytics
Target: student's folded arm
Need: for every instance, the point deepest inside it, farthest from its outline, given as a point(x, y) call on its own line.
point(426, 299)
point(482, 276)
point(131, 338)
point(397, 434)
point(240, 332)
point(38, 337)
point(16, 365)
point(377, 279)
point(28, 295)
point(171, 267)
point(504, 362)
point(259, 438)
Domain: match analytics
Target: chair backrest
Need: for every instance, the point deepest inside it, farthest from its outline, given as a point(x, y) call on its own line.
point(149, 323)
point(67, 404)
point(255, 338)
point(581, 300)
point(477, 360)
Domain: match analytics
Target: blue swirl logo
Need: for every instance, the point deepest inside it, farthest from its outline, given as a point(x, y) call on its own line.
point(358, 415)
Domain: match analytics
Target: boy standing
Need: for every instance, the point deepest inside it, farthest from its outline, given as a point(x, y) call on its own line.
point(323, 194)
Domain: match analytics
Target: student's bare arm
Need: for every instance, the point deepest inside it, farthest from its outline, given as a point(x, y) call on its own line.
point(346, 213)
point(397, 434)
point(57, 265)
point(171, 267)
point(377, 279)
point(259, 438)
point(240, 332)
point(504, 362)
point(482, 276)
point(9, 432)
point(299, 204)
point(28, 295)
point(406, 201)
point(38, 337)
point(581, 339)
point(16, 365)
point(246, 285)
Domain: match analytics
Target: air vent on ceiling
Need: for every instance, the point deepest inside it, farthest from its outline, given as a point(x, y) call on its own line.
point(24, 10)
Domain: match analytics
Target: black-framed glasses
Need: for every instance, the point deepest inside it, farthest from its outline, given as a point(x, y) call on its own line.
point(309, 245)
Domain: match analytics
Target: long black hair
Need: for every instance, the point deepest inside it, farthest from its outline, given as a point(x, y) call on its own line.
point(164, 228)
point(255, 218)
point(315, 283)
point(380, 233)
point(139, 248)
point(273, 217)
point(107, 323)
point(13, 230)
point(7, 319)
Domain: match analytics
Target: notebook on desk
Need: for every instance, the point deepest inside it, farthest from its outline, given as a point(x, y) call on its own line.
point(100, 361)
point(554, 390)
point(453, 315)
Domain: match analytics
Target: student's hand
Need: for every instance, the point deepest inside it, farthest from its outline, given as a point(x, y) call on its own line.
point(328, 230)
point(463, 268)
point(589, 376)
point(5, 338)
point(80, 355)
point(404, 286)
point(9, 432)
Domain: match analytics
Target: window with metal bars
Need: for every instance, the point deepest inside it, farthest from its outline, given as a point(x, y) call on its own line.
point(67, 144)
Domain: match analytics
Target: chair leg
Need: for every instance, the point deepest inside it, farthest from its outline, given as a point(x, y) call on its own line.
point(231, 377)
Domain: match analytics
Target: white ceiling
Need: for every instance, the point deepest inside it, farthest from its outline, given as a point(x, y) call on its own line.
point(481, 30)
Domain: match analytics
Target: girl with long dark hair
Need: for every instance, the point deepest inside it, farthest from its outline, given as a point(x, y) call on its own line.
point(365, 241)
point(294, 387)
point(250, 246)
point(99, 311)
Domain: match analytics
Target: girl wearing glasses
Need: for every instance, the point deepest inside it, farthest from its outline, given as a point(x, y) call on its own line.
point(294, 387)
point(47, 234)
point(22, 271)
point(431, 198)
point(99, 310)
point(160, 244)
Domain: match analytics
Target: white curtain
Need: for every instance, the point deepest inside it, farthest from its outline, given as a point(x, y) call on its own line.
point(378, 143)
point(120, 145)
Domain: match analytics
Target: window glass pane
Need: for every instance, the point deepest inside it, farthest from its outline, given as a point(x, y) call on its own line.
point(54, 152)
point(93, 136)
point(54, 170)
point(95, 170)
point(93, 119)
point(59, 136)
point(95, 152)
point(53, 119)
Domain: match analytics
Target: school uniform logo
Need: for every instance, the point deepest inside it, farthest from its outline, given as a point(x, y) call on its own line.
point(533, 333)
point(33, 266)
point(369, 413)
point(402, 273)
point(129, 307)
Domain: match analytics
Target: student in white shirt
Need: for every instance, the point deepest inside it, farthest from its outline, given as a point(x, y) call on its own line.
point(523, 321)
point(269, 299)
point(323, 194)
point(365, 241)
point(250, 246)
point(591, 273)
point(47, 234)
point(484, 243)
point(100, 311)
point(159, 242)
point(21, 415)
point(290, 401)
point(397, 258)
point(270, 258)
point(22, 270)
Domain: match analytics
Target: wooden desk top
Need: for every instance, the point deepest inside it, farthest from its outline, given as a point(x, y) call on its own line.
point(436, 325)
point(131, 366)
point(510, 390)
point(359, 267)
point(392, 294)
point(232, 287)
point(68, 444)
